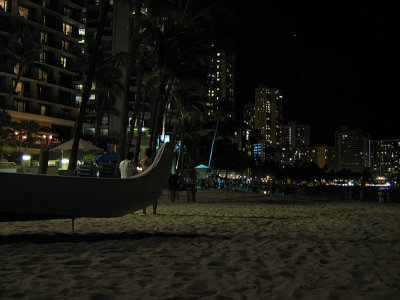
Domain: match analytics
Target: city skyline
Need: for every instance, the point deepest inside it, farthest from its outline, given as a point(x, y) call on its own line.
point(336, 65)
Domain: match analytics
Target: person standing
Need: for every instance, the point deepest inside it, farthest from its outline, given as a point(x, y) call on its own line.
point(127, 167)
point(173, 185)
point(145, 164)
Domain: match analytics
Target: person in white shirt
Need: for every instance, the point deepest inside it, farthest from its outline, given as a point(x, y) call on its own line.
point(127, 167)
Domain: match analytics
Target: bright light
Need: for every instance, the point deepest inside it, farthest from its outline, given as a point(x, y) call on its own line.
point(65, 161)
point(26, 157)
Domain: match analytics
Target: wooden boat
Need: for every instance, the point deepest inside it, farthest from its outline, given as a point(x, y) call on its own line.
point(34, 196)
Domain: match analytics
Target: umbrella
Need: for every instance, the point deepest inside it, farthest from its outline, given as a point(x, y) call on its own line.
point(107, 157)
point(83, 145)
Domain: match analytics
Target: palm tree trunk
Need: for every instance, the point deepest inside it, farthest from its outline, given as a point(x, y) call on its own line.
point(98, 123)
point(87, 86)
point(140, 131)
point(164, 92)
point(135, 114)
point(133, 31)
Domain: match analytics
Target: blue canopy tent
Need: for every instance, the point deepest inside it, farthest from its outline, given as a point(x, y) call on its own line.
point(108, 157)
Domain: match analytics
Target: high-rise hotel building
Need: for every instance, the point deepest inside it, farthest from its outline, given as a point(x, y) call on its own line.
point(46, 91)
point(269, 121)
point(221, 84)
point(352, 149)
point(268, 114)
point(384, 159)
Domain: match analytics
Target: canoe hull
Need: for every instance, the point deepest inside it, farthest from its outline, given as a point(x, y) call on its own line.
point(65, 196)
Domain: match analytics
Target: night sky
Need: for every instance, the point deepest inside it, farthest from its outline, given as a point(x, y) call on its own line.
point(336, 64)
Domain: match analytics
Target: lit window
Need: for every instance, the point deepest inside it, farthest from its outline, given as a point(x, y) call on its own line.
point(42, 74)
point(63, 61)
point(65, 45)
point(16, 69)
point(23, 12)
point(81, 31)
point(67, 28)
point(20, 106)
point(43, 56)
point(19, 88)
point(42, 110)
point(43, 37)
point(3, 5)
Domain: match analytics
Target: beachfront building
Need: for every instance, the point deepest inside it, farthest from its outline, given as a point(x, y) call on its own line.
point(220, 82)
point(269, 120)
point(114, 40)
point(45, 92)
point(352, 149)
point(322, 156)
point(384, 159)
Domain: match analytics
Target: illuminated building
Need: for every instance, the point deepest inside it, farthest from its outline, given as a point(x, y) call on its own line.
point(115, 40)
point(46, 91)
point(220, 82)
point(268, 120)
point(296, 135)
point(384, 157)
point(322, 156)
point(352, 149)
point(268, 115)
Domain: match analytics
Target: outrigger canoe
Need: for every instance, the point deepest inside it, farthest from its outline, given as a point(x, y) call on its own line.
point(38, 197)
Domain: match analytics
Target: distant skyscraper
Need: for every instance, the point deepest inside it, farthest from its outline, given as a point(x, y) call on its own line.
point(269, 115)
point(385, 157)
point(296, 135)
point(221, 84)
point(352, 149)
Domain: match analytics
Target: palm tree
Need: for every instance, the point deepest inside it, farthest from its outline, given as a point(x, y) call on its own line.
point(29, 130)
point(177, 34)
point(7, 136)
point(22, 52)
point(87, 84)
point(187, 107)
point(108, 87)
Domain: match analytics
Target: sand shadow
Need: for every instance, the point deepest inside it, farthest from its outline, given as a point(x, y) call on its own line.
point(49, 238)
point(227, 216)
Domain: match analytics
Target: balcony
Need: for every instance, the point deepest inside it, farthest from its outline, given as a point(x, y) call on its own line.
point(51, 113)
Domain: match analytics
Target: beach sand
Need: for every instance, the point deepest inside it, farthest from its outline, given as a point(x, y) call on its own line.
point(258, 247)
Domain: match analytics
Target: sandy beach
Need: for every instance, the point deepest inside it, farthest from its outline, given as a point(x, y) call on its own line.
point(255, 247)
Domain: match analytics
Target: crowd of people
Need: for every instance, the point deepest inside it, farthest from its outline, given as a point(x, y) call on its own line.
point(271, 186)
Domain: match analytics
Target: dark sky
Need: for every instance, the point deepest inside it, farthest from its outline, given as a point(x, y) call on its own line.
point(336, 64)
